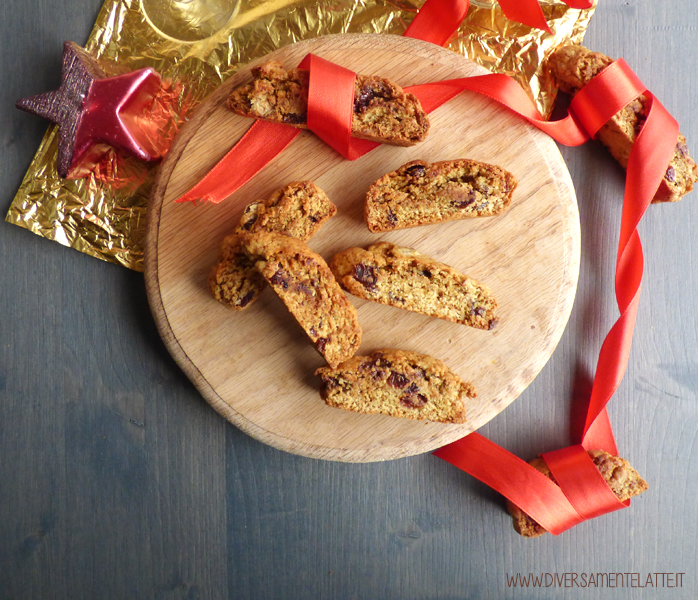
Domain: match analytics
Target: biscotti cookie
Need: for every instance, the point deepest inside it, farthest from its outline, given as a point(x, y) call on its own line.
point(383, 112)
point(403, 277)
point(306, 286)
point(298, 210)
point(419, 193)
point(623, 480)
point(572, 67)
point(397, 383)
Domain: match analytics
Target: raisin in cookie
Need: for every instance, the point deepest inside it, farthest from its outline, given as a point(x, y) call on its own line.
point(572, 67)
point(623, 480)
point(383, 112)
point(403, 277)
point(306, 286)
point(298, 210)
point(397, 383)
point(419, 193)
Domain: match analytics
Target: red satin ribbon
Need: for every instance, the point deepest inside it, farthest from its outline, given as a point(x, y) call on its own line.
point(599, 100)
point(581, 482)
point(582, 492)
point(247, 158)
point(331, 106)
point(330, 109)
point(514, 478)
point(329, 116)
point(527, 12)
point(651, 153)
point(438, 20)
point(574, 471)
point(530, 13)
point(505, 91)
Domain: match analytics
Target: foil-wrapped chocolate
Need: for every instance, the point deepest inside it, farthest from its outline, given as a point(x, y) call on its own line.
point(195, 45)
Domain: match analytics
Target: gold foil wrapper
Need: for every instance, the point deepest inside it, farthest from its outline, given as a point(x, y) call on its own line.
point(195, 45)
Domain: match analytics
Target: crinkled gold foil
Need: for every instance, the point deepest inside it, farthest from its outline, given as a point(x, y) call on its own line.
point(195, 45)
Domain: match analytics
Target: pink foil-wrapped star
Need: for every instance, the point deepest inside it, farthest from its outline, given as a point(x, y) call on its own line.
point(94, 112)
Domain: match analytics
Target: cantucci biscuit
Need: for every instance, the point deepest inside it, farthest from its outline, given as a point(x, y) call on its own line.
point(624, 481)
point(307, 287)
point(298, 210)
point(419, 193)
point(573, 66)
point(383, 112)
point(404, 278)
point(397, 383)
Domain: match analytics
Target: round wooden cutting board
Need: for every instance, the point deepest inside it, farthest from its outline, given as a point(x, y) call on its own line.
point(256, 367)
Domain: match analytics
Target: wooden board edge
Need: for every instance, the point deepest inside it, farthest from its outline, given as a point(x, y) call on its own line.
point(188, 367)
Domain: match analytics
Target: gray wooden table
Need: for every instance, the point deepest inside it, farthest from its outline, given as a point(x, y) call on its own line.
point(118, 481)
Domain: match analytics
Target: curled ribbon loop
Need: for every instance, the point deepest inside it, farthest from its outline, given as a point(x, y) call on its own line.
point(649, 157)
point(581, 482)
point(331, 106)
point(514, 478)
point(329, 120)
point(612, 89)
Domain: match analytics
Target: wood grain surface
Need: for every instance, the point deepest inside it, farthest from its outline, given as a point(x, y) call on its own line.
point(117, 480)
point(256, 367)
